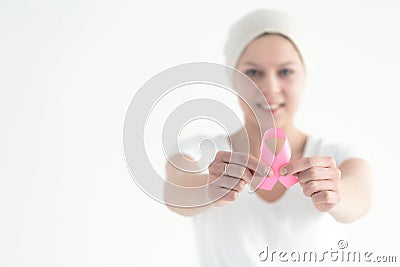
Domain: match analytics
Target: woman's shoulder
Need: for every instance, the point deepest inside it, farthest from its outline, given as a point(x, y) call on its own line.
point(319, 145)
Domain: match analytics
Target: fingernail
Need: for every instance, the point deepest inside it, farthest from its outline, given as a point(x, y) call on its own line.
point(270, 173)
point(283, 171)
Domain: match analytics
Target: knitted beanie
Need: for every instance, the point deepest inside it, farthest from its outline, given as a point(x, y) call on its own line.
point(255, 24)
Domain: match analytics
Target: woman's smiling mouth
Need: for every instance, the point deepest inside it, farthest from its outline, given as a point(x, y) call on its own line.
point(272, 108)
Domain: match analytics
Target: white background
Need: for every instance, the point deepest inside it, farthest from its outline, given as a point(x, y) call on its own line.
point(68, 71)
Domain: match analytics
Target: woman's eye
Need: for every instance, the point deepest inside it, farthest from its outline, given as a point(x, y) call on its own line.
point(286, 72)
point(251, 72)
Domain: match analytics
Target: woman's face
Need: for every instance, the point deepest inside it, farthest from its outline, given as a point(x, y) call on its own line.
point(274, 65)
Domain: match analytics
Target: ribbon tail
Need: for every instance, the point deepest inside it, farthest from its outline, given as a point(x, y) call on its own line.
point(288, 180)
point(268, 182)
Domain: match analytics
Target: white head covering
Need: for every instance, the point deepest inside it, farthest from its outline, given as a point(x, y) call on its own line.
point(257, 23)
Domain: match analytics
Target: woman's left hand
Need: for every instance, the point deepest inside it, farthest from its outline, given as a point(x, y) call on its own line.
point(320, 179)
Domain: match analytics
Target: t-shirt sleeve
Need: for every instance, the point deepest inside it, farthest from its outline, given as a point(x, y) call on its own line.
point(350, 151)
point(339, 151)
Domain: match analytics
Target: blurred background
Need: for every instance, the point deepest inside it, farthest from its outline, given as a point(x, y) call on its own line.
point(68, 71)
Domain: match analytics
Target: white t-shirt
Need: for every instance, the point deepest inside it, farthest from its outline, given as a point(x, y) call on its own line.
point(238, 233)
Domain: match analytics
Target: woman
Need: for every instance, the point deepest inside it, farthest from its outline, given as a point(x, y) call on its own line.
point(236, 228)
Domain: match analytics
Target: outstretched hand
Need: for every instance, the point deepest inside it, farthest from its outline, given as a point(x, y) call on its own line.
point(230, 172)
point(320, 179)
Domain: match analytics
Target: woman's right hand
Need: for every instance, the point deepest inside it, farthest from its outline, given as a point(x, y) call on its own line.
point(229, 172)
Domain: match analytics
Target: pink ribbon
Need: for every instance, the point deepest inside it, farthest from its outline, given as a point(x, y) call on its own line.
point(276, 162)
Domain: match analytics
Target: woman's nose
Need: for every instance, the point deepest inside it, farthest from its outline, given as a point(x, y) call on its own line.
point(269, 85)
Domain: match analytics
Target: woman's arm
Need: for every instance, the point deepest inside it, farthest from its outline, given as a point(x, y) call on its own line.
point(187, 179)
point(355, 191)
point(228, 174)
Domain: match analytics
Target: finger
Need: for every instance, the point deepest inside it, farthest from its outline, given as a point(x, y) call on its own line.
point(240, 186)
point(245, 160)
point(248, 176)
point(314, 187)
point(325, 197)
point(318, 173)
point(212, 178)
point(228, 182)
point(231, 196)
point(217, 193)
point(324, 207)
point(222, 193)
point(239, 171)
point(234, 169)
point(217, 168)
point(305, 163)
point(222, 168)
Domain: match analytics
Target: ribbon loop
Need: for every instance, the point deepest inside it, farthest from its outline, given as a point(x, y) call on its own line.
point(276, 162)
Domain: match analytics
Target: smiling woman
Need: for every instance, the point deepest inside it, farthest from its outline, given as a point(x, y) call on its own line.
point(333, 179)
